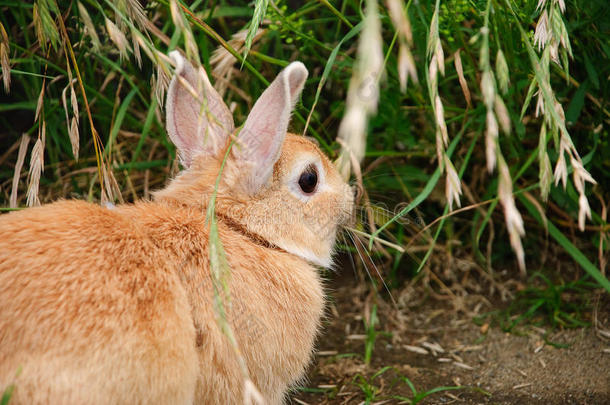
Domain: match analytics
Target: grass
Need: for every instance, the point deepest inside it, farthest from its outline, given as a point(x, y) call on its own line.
point(419, 396)
point(374, 393)
point(371, 335)
point(6, 396)
point(544, 303)
point(488, 122)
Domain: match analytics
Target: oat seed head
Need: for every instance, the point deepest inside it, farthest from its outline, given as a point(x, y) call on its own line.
point(502, 72)
point(491, 137)
point(23, 148)
point(561, 169)
point(118, 38)
point(89, 27)
point(453, 187)
point(514, 221)
point(457, 60)
point(4, 59)
point(36, 168)
point(584, 211)
point(400, 20)
point(545, 174)
point(502, 114)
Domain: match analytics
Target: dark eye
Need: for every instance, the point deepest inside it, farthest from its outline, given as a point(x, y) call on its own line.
point(309, 179)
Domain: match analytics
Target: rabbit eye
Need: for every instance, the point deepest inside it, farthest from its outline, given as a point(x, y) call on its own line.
point(309, 179)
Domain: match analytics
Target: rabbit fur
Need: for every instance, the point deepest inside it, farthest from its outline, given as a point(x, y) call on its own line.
point(115, 306)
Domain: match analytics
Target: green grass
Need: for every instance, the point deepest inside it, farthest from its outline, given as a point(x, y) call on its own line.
point(546, 304)
point(371, 335)
point(373, 392)
point(419, 396)
point(6, 396)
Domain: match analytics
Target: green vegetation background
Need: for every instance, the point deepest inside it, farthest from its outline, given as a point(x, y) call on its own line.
point(400, 162)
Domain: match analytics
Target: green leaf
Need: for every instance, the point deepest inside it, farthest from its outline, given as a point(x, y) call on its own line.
point(576, 104)
point(116, 126)
point(591, 72)
point(528, 98)
point(6, 396)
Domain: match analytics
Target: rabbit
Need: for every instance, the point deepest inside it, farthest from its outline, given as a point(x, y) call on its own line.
point(115, 305)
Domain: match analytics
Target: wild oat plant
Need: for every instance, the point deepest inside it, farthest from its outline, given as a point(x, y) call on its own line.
point(505, 102)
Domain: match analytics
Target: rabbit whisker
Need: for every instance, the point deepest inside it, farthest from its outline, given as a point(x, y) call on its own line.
point(361, 247)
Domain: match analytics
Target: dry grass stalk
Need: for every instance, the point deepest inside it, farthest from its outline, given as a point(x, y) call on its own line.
point(23, 148)
point(4, 59)
point(363, 92)
point(192, 51)
point(36, 167)
point(89, 27)
point(37, 156)
point(128, 15)
point(159, 84)
point(222, 61)
point(118, 38)
point(39, 103)
point(38, 25)
point(133, 10)
point(44, 23)
point(110, 190)
point(72, 124)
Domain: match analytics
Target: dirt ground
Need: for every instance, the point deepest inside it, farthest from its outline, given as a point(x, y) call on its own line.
point(434, 342)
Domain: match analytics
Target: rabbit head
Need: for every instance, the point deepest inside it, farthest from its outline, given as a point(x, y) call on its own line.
point(277, 187)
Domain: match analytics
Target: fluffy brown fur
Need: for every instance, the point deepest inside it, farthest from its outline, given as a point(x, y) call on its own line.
point(114, 305)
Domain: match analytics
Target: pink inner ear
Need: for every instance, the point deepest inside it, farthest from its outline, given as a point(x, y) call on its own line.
point(262, 144)
point(263, 133)
point(188, 122)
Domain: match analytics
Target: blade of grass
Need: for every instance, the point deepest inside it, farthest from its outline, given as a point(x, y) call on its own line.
point(97, 142)
point(568, 246)
point(260, 8)
point(116, 125)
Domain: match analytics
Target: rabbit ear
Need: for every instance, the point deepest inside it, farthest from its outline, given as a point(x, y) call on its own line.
point(260, 140)
point(197, 119)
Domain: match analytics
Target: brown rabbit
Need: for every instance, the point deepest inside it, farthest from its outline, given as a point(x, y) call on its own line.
point(114, 305)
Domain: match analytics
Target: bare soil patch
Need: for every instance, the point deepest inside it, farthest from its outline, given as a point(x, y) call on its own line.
point(434, 342)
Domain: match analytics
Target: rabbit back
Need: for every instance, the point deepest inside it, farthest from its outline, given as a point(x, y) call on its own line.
point(91, 312)
point(116, 305)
